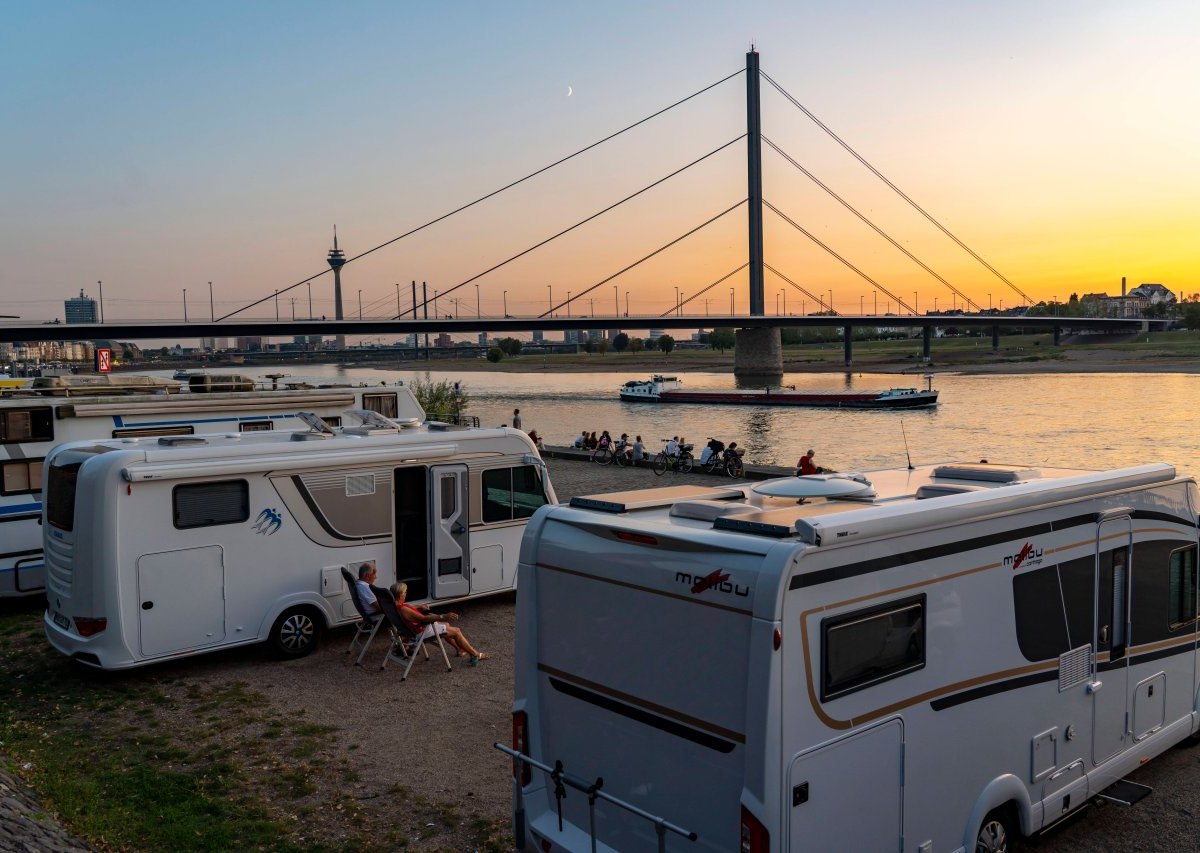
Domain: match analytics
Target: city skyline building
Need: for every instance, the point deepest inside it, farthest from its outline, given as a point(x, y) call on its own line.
point(81, 309)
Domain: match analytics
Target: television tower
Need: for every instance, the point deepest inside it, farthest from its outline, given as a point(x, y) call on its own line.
point(337, 260)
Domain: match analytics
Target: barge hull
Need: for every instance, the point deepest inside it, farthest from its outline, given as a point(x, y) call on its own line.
point(789, 398)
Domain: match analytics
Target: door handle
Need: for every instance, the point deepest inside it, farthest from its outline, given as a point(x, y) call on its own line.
point(1094, 687)
point(459, 530)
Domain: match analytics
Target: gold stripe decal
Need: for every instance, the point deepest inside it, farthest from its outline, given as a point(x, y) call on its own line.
point(660, 710)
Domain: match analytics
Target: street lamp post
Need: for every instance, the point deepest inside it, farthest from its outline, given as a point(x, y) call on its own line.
point(676, 301)
point(731, 302)
point(212, 309)
point(777, 302)
point(616, 302)
point(784, 300)
point(915, 309)
point(550, 287)
point(831, 301)
point(935, 299)
point(861, 299)
point(568, 303)
point(477, 302)
point(989, 302)
point(360, 303)
point(398, 311)
point(185, 305)
point(592, 305)
point(293, 308)
point(626, 303)
point(277, 306)
point(310, 313)
point(679, 313)
point(506, 304)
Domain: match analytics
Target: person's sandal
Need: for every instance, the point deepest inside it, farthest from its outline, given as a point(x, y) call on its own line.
point(476, 659)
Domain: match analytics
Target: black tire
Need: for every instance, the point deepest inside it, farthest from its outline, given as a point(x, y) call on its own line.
point(734, 467)
point(998, 833)
point(686, 461)
point(602, 456)
point(620, 457)
point(660, 464)
point(296, 632)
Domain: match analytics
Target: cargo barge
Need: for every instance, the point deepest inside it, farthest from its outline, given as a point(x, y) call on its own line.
point(668, 389)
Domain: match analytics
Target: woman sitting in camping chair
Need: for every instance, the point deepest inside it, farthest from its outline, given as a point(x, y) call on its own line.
point(425, 624)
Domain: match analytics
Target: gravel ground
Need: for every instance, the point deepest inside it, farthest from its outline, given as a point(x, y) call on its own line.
point(434, 732)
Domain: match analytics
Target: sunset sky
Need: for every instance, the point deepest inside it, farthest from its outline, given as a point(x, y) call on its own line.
point(161, 146)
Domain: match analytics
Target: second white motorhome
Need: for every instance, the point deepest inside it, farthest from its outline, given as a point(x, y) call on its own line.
point(938, 659)
point(158, 548)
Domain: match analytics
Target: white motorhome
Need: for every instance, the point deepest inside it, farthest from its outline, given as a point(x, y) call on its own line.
point(70, 408)
point(159, 548)
point(938, 659)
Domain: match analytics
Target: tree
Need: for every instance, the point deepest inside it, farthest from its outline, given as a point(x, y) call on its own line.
point(495, 354)
point(636, 345)
point(1191, 315)
point(442, 397)
point(603, 346)
point(510, 346)
point(666, 343)
point(721, 339)
point(650, 343)
point(588, 346)
point(620, 342)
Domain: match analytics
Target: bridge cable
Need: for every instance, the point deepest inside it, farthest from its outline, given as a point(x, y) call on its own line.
point(588, 219)
point(872, 225)
point(820, 299)
point(898, 191)
point(657, 251)
point(814, 238)
point(700, 293)
point(496, 192)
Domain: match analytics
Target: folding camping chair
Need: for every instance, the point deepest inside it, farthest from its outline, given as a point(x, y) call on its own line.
point(367, 625)
point(405, 641)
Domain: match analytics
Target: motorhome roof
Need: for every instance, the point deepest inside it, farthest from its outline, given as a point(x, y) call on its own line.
point(157, 459)
point(927, 495)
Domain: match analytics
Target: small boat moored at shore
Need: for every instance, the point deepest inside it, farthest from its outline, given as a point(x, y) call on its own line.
point(669, 389)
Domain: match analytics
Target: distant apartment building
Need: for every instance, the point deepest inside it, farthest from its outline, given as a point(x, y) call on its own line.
point(443, 340)
point(656, 333)
point(81, 309)
point(537, 336)
point(250, 344)
point(595, 335)
point(214, 344)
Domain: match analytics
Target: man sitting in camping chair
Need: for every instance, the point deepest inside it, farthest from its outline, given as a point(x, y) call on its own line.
point(370, 615)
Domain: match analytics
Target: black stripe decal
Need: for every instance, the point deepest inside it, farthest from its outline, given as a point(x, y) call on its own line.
point(645, 717)
point(1150, 515)
point(992, 689)
point(1050, 675)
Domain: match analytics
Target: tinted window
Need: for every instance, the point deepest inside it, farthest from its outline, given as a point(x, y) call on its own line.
point(870, 646)
point(60, 496)
point(1041, 622)
point(1181, 599)
point(1150, 591)
point(209, 504)
point(22, 477)
point(257, 426)
point(510, 493)
point(385, 404)
point(26, 425)
point(1078, 581)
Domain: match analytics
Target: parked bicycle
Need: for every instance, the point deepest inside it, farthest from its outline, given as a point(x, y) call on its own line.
point(734, 467)
point(681, 462)
point(715, 460)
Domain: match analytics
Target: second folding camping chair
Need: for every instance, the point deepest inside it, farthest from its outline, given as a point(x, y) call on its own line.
point(367, 625)
point(405, 641)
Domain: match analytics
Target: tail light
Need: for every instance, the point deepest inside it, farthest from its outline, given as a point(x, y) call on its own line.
point(89, 627)
point(755, 838)
point(521, 744)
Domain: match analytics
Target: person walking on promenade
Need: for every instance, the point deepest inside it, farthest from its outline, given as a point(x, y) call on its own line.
point(516, 421)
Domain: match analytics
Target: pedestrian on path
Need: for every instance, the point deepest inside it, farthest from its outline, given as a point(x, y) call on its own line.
point(516, 422)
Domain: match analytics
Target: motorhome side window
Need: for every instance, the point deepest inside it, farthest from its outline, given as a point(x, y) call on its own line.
point(1053, 608)
point(510, 493)
point(866, 647)
point(22, 477)
point(60, 496)
point(385, 404)
point(26, 425)
point(210, 504)
point(1182, 589)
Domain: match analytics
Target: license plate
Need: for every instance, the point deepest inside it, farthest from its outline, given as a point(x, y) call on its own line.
point(62, 621)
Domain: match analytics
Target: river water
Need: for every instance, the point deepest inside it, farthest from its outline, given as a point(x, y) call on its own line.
point(1093, 420)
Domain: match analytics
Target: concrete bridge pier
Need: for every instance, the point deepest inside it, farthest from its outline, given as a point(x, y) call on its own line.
point(758, 356)
point(926, 340)
point(1058, 336)
point(848, 344)
point(995, 340)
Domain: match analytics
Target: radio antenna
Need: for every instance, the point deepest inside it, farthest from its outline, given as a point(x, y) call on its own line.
point(904, 435)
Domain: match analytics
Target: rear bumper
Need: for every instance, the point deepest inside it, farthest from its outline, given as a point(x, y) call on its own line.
point(86, 650)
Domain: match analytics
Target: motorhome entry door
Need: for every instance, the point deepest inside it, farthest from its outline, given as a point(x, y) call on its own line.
point(449, 530)
point(181, 599)
point(1110, 681)
point(848, 795)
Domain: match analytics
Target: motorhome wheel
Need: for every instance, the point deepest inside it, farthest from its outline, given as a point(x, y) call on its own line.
point(997, 833)
point(295, 632)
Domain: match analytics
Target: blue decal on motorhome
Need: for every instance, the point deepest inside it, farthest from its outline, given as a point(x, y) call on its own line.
point(268, 522)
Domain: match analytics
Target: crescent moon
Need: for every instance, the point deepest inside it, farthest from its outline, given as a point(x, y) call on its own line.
point(569, 90)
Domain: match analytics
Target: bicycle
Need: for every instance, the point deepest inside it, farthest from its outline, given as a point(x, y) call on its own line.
point(716, 459)
point(681, 463)
point(623, 454)
point(603, 455)
point(734, 467)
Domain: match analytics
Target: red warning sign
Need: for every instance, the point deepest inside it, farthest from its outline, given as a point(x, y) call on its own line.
point(103, 360)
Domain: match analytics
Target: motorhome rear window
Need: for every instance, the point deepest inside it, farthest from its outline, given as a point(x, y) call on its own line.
point(22, 477)
point(869, 646)
point(150, 432)
point(60, 496)
point(385, 404)
point(33, 424)
point(210, 504)
point(510, 493)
